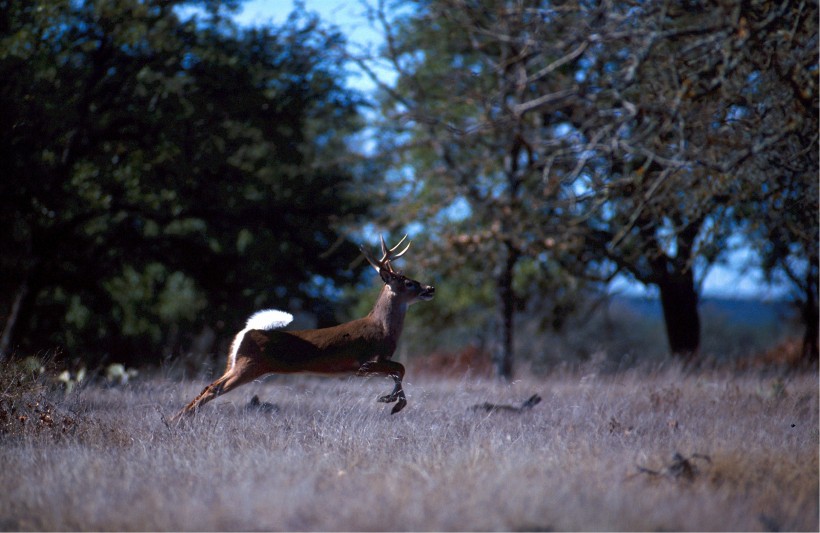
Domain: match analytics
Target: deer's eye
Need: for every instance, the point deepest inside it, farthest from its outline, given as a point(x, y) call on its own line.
point(408, 284)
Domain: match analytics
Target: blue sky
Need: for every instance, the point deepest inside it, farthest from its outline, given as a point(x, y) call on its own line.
point(348, 15)
point(737, 278)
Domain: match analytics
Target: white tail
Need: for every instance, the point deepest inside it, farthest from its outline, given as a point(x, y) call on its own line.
point(363, 346)
point(268, 319)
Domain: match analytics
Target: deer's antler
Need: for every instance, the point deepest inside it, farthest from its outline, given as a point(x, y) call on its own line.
point(387, 255)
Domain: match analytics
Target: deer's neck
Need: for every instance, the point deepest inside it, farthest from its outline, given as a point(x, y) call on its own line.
point(389, 312)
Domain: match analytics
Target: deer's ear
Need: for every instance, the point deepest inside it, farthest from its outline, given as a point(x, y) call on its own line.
point(386, 275)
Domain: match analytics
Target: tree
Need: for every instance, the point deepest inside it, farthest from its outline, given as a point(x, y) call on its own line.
point(165, 172)
point(467, 124)
point(780, 216)
point(598, 137)
point(781, 222)
point(705, 104)
point(788, 244)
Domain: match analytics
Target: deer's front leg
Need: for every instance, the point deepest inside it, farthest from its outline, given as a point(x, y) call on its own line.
point(396, 395)
point(395, 371)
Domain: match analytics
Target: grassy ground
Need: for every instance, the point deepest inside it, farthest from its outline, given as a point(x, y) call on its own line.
point(596, 454)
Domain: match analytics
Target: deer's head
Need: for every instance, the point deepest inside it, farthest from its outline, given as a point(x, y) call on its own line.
point(409, 290)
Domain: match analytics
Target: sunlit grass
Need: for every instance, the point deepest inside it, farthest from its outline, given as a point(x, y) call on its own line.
point(328, 457)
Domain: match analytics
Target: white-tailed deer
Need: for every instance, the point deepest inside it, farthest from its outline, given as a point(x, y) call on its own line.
point(362, 346)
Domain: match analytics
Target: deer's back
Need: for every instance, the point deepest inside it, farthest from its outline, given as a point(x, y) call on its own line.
point(342, 348)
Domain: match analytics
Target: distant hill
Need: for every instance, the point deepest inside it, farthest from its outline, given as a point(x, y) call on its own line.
point(743, 312)
point(750, 312)
point(729, 327)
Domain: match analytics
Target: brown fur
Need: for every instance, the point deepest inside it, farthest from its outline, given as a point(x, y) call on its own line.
point(362, 346)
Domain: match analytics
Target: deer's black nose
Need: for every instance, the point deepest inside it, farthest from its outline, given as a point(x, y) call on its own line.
point(428, 292)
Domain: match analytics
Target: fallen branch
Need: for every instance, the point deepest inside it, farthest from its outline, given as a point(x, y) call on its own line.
point(529, 403)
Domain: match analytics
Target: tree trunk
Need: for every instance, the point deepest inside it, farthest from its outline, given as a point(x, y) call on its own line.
point(503, 357)
point(811, 317)
point(11, 321)
point(680, 313)
point(811, 350)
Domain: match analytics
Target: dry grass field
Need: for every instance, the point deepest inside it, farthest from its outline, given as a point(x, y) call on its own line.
point(598, 453)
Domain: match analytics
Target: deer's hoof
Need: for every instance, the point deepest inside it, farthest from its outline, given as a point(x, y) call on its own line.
point(388, 398)
point(399, 406)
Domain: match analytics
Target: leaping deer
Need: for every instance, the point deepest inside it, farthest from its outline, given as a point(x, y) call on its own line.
point(363, 346)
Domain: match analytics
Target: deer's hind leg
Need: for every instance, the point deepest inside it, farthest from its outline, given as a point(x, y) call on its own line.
point(242, 372)
point(245, 364)
point(393, 370)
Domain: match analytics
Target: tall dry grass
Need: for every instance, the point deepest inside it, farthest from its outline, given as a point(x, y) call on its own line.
point(595, 454)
